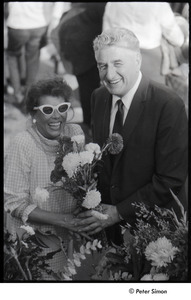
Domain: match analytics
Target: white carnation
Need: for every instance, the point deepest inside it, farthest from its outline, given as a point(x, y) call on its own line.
point(70, 163)
point(93, 147)
point(86, 157)
point(28, 229)
point(92, 199)
point(161, 252)
point(41, 195)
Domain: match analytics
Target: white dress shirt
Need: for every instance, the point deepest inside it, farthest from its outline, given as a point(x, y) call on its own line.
point(127, 99)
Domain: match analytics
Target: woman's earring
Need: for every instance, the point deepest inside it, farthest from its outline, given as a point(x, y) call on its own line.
point(34, 121)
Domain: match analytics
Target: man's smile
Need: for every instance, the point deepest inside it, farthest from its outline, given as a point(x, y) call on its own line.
point(111, 82)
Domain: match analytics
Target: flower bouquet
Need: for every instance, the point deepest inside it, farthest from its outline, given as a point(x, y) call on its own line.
point(156, 249)
point(76, 169)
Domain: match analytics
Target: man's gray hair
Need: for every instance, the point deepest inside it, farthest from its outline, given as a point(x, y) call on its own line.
point(115, 36)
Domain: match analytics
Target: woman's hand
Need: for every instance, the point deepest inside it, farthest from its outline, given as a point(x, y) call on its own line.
point(68, 221)
point(46, 217)
point(85, 222)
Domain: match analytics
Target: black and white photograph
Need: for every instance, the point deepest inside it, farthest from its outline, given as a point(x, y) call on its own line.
point(96, 110)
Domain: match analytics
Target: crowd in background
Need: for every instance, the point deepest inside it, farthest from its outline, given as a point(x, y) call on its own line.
point(67, 30)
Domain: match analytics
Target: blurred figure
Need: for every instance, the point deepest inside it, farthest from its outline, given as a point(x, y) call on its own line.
point(27, 24)
point(185, 11)
point(177, 7)
point(175, 64)
point(77, 29)
point(5, 73)
point(149, 21)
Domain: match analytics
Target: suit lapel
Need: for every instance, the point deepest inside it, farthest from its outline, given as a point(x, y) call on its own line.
point(135, 110)
point(105, 125)
point(106, 116)
point(134, 113)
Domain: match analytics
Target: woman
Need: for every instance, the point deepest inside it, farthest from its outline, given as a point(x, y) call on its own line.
point(30, 159)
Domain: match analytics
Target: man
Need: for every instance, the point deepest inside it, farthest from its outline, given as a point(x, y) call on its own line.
point(76, 33)
point(152, 23)
point(154, 157)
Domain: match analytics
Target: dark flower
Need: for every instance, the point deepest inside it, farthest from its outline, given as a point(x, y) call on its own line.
point(64, 139)
point(115, 142)
point(58, 160)
point(67, 144)
point(54, 177)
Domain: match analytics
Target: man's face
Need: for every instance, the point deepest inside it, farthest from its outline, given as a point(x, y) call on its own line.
point(118, 68)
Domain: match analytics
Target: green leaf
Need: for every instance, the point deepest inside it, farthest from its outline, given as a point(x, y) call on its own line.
point(121, 267)
point(115, 258)
point(48, 240)
point(20, 232)
point(128, 237)
point(39, 243)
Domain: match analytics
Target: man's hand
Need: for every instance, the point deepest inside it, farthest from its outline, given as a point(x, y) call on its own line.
point(92, 225)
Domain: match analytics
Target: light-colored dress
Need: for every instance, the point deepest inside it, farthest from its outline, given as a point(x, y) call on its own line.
point(29, 161)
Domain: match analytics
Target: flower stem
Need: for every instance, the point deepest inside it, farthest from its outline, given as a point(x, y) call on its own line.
point(70, 249)
point(20, 268)
point(86, 236)
point(105, 148)
point(27, 267)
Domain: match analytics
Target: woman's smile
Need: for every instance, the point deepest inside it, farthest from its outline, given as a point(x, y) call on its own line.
point(55, 125)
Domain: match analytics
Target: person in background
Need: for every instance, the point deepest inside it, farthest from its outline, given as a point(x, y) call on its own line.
point(152, 120)
point(28, 24)
point(77, 30)
point(175, 62)
point(29, 160)
point(150, 21)
point(178, 7)
point(185, 11)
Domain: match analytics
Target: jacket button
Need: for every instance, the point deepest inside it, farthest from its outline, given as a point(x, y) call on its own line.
point(113, 186)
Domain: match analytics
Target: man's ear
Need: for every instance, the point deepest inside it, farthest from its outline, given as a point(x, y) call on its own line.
point(138, 59)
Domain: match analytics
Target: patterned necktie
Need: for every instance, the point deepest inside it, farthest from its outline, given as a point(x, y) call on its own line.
point(118, 124)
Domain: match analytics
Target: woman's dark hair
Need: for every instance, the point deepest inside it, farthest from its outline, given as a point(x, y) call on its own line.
point(55, 86)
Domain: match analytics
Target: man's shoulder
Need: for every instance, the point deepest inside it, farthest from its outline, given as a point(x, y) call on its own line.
point(163, 94)
point(161, 88)
point(100, 92)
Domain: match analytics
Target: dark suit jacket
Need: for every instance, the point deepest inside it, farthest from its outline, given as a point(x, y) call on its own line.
point(77, 30)
point(154, 157)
